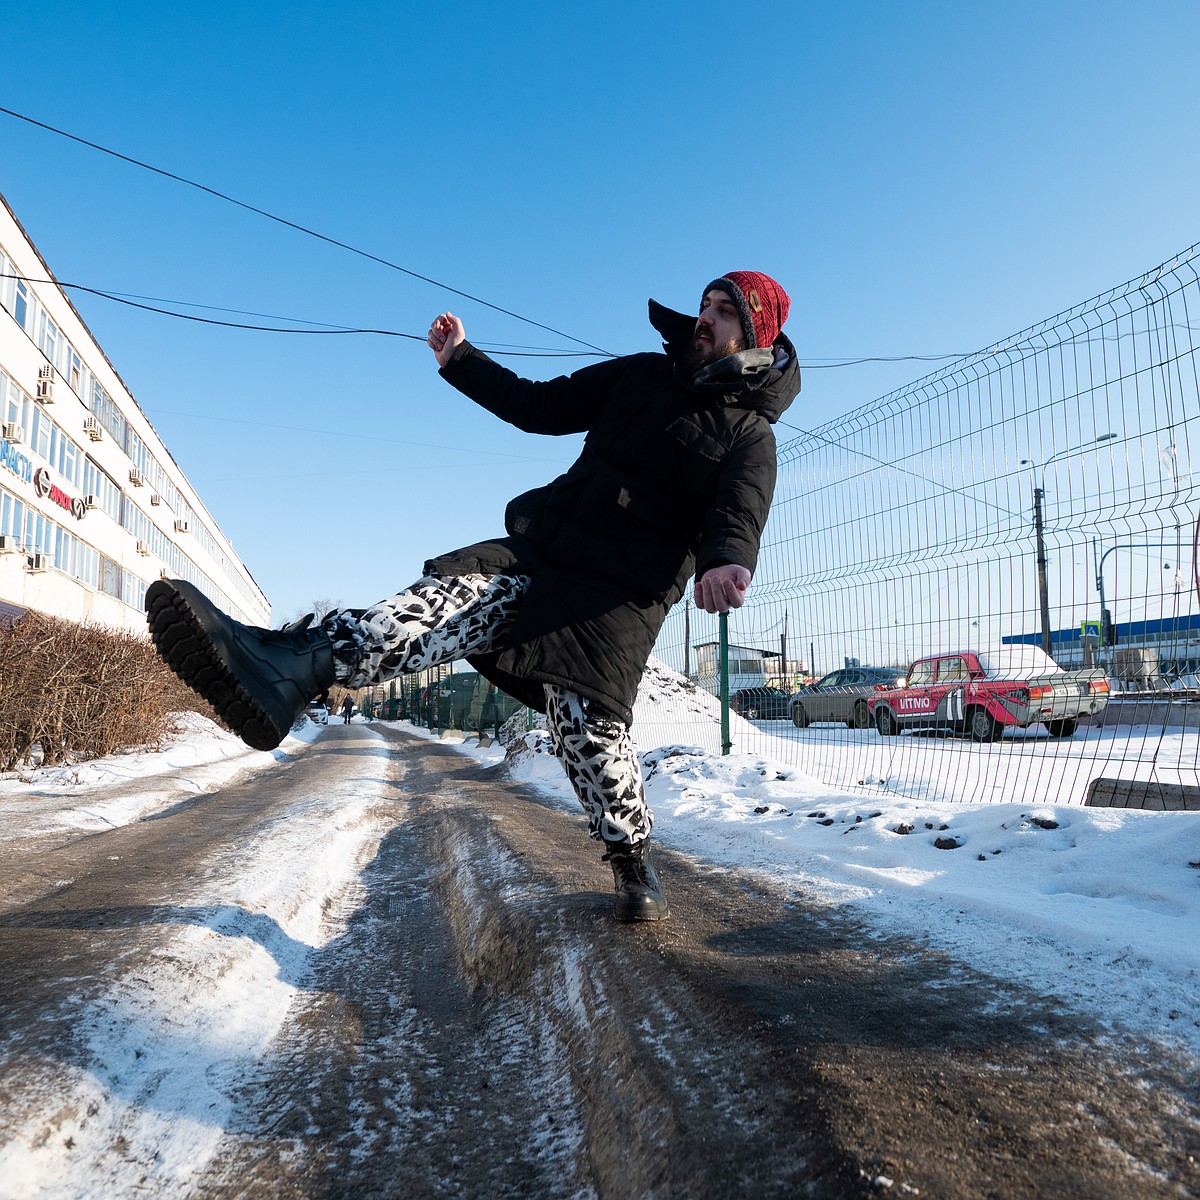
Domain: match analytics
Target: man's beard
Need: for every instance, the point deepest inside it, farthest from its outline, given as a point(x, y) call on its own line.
point(700, 355)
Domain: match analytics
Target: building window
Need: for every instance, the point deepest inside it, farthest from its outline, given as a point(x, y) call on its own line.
point(133, 591)
point(39, 432)
point(76, 558)
point(11, 402)
point(38, 533)
point(97, 483)
point(110, 577)
point(20, 308)
point(12, 515)
point(48, 339)
point(107, 413)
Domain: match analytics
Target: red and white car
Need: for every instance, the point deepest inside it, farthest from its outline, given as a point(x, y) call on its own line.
point(983, 692)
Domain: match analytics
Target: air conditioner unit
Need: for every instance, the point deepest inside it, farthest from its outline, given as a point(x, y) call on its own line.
point(91, 502)
point(143, 547)
point(9, 544)
point(181, 527)
point(46, 371)
point(12, 432)
point(92, 428)
point(37, 561)
point(45, 391)
point(156, 499)
point(136, 477)
point(165, 574)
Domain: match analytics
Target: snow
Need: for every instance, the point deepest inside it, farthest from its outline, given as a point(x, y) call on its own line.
point(1098, 906)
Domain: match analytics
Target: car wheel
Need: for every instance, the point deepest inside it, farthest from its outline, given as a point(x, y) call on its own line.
point(751, 713)
point(1064, 728)
point(860, 716)
point(885, 721)
point(982, 726)
point(799, 716)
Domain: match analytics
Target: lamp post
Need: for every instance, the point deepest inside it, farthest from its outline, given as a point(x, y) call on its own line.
point(1043, 587)
point(1039, 494)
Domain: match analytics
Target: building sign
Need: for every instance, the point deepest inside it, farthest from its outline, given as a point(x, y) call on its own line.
point(52, 492)
point(16, 462)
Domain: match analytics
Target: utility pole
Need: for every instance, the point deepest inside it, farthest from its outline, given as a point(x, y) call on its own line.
point(1043, 590)
point(783, 667)
point(1039, 495)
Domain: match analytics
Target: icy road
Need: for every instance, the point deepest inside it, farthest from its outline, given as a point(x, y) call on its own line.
point(377, 969)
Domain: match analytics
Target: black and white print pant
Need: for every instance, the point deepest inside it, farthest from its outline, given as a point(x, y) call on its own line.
point(440, 620)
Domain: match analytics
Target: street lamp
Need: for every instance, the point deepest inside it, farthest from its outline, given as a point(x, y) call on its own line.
point(1039, 531)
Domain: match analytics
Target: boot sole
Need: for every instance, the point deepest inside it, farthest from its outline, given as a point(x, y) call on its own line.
point(633, 918)
point(179, 636)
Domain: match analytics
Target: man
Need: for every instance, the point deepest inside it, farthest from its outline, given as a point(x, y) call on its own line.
point(675, 477)
point(347, 709)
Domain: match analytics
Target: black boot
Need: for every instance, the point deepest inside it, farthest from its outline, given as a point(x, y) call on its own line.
point(258, 680)
point(639, 892)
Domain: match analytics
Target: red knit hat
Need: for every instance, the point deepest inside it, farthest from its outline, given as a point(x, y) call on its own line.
point(762, 304)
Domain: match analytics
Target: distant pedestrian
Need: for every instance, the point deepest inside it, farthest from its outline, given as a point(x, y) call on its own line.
point(347, 709)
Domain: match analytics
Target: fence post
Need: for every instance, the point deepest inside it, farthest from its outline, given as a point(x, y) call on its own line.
point(723, 668)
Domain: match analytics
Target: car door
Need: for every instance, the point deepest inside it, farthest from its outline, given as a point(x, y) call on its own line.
point(852, 682)
point(950, 690)
point(820, 704)
point(915, 703)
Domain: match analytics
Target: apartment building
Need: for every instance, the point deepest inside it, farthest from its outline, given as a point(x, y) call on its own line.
point(92, 505)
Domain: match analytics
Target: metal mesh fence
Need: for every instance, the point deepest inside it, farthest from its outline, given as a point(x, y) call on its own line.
point(911, 527)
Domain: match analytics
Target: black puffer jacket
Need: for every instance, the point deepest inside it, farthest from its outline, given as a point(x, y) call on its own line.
point(674, 478)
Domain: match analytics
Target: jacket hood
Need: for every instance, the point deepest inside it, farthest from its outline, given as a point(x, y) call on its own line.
point(767, 389)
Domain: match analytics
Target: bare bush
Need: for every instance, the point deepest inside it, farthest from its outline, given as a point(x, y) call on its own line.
point(71, 692)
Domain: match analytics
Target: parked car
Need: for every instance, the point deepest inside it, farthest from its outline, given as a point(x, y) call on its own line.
point(318, 712)
point(841, 696)
point(984, 692)
point(759, 703)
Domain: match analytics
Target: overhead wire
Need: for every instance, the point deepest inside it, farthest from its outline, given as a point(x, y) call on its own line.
point(135, 302)
point(326, 330)
point(332, 241)
point(217, 194)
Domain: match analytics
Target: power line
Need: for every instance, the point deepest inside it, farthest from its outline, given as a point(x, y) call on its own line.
point(135, 300)
point(300, 229)
point(500, 349)
point(830, 364)
point(326, 330)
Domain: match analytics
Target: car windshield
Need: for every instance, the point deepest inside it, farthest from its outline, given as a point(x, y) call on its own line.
point(922, 672)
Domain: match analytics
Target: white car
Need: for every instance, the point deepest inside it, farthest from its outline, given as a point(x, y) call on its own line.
point(318, 713)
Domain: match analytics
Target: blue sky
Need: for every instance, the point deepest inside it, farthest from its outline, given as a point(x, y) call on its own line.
point(923, 178)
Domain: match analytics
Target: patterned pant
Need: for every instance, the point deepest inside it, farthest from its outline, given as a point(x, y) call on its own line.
point(439, 620)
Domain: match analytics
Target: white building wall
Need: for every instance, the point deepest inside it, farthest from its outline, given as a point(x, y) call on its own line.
point(93, 507)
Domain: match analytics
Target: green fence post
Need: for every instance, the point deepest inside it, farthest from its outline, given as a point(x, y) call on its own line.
point(723, 667)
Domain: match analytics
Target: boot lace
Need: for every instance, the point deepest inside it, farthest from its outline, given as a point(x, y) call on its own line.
point(629, 865)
